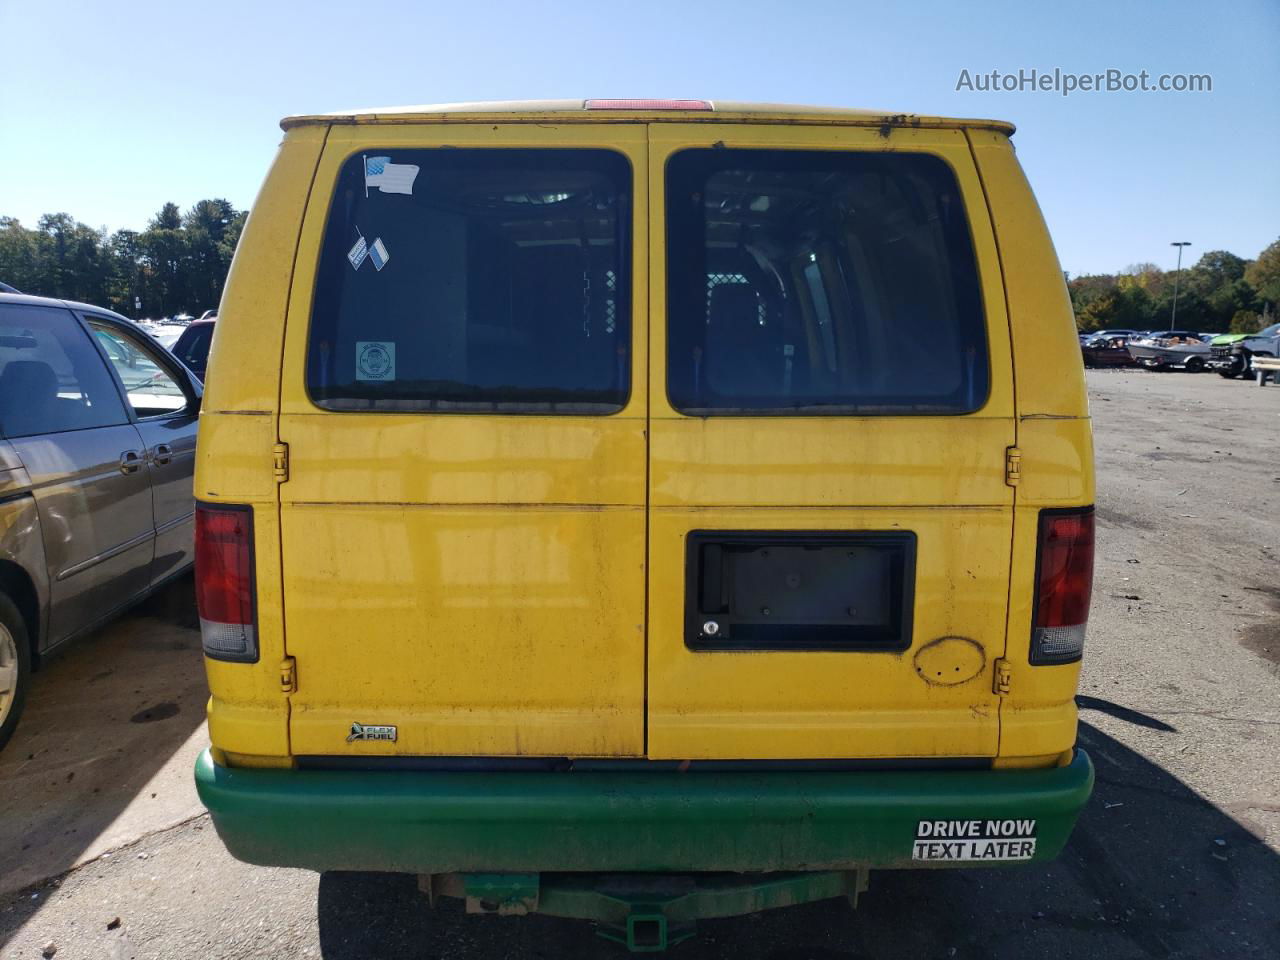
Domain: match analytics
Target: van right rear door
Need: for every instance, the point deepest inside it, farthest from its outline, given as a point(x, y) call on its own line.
point(831, 405)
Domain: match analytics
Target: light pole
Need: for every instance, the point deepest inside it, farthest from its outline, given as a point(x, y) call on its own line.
point(1173, 320)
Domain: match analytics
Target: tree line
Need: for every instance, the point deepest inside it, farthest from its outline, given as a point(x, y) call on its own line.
point(178, 263)
point(1220, 293)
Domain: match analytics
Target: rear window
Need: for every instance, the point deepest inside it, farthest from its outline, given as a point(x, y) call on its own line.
point(803, 282)
point(475, 281)
point(192, 348)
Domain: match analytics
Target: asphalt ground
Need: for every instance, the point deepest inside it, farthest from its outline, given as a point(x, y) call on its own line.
point(1177, 854)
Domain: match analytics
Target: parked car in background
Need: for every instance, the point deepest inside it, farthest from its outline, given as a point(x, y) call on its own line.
point(97, 449)
point(192, 347)
point(1099, 334)
point(1166, 349)
point(1224, 358)
point(1231, 354)
point(1266, 343)
point(1108, 351)
point(168, 334)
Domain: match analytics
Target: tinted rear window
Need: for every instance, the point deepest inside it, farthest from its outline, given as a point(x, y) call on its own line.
point(817, 282)
point(475, 281)
point(192, 347)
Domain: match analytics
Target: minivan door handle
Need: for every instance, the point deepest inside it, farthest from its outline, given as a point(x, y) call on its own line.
point(130, 461)
point(161, 453)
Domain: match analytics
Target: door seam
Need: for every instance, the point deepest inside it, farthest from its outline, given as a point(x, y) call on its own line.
point(1013, 379)
point(648, 421)
point(284, 335)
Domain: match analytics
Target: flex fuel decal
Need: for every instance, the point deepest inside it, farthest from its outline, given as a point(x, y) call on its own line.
point(977, 840)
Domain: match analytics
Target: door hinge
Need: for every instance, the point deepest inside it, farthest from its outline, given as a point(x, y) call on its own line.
point(288, 675)
point(280, 462)
point(1012, 466)
point(1004, 676)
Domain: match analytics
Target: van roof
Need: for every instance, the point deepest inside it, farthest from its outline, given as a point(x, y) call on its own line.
point(671, 111)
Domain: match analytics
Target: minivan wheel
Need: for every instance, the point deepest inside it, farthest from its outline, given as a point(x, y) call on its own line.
point(15, 667)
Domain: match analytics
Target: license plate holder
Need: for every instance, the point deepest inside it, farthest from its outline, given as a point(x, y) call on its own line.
point(799, 591)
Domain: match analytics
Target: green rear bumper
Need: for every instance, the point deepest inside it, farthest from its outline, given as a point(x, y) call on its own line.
point(420, 822)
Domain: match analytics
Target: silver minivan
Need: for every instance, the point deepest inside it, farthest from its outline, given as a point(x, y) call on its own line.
point(97, 449)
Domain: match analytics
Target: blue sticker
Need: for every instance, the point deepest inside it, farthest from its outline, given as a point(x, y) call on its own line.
point(375, 360)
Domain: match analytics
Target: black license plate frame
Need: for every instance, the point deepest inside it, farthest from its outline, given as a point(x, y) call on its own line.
point(791, 591)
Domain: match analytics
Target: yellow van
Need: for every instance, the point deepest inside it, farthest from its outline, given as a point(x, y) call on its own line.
point(643, 487)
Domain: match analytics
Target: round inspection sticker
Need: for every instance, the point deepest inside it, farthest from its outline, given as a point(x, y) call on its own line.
point(375, 360)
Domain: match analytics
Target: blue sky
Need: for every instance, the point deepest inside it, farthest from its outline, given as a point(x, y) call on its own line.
point(110, 109)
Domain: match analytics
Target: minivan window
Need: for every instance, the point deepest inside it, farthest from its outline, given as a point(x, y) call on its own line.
point(807, 282)
point(475, 280)
point(52, 380)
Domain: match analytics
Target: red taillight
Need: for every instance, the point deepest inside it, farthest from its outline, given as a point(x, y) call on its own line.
point(649, 105)
point(224, 581)
point(1064, 583)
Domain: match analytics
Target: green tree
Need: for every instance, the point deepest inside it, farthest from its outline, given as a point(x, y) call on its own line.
point(207, 225)
point(69, 259)
point(126, 282)
point(164, 248)
point(1093, 299)
point(1245, 321)
point(1209, 293)
point(179, 262)
point(17, 254)
point(169, 218)
point(1263, 274)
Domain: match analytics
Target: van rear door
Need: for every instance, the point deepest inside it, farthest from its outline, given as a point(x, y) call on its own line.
point(831, 405)
point(464, 402)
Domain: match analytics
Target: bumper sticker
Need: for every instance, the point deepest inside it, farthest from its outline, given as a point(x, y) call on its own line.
point(976, 840)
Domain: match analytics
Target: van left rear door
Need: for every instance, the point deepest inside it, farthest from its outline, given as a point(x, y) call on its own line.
point(464, 403)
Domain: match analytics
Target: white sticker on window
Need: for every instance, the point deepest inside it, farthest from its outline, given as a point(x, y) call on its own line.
point(357, 253)
point(977, 840)
point(375, 360)
point(389, 177)
point(378, 254)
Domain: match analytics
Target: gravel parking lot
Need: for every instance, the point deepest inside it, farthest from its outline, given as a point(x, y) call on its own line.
point(1178, 854)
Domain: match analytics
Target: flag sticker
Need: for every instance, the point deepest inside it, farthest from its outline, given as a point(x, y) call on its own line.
point(974, 840)
point(378, 254)
point(375, 360)
point(357, 254)
point(389, 177)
